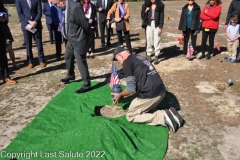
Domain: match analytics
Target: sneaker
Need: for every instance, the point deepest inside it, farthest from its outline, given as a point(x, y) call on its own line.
point(176, 116)
point(169, 121)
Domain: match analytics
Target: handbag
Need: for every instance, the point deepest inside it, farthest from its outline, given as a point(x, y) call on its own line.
point(120, 25)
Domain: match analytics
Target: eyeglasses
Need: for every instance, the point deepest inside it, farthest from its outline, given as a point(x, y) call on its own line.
point(190, 0)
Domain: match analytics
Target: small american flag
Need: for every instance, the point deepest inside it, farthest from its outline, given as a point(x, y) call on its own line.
point(190, 51)
point(114, 79)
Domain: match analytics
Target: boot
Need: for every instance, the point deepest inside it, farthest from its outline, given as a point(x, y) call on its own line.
point(156, 60)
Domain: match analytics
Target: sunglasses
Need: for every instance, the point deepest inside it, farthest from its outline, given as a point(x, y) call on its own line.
point(190, 0)
point(233, 22)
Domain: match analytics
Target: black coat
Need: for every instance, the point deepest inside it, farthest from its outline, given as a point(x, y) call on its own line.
point(158, 16)
point(93, 14)
point(196, 24)
point(234, 9)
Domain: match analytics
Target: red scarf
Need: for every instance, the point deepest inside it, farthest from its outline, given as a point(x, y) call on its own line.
point(86, 6)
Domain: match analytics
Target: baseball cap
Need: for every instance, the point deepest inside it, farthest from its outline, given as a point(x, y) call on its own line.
point(119, 49)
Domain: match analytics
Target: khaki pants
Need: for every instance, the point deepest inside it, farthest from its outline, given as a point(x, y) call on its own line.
point(144, 111)
point(153, 38)
point(232, 49)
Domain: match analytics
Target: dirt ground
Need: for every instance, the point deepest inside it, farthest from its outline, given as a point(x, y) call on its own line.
point(199, 87)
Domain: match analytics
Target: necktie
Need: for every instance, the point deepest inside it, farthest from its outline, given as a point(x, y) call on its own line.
point(29, 3)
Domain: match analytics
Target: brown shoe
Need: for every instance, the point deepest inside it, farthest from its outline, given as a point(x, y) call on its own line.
point(42, 64)
point(10, 81)
point(30, 65)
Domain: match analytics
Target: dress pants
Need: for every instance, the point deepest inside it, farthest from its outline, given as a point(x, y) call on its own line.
point(91, 43)
point(3, 58)
point(189, 33)
point(127, 39)
point(103, 26)
point(38, 39)
point(205, 35)
point(58, 41)
point(78, 52)
point(50, 30)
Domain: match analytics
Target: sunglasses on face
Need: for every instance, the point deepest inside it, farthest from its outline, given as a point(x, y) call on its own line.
point(233, 22)
point(191, 0)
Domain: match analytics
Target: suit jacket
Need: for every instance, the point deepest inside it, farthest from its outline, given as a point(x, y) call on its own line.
point(93, 14)
point(78, 28)
point(26, 13)
point(103, 13)
point(115, 9)
point(47, 13)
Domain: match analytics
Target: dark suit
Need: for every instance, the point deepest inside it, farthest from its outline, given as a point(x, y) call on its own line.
point(47, 13)
point(56, 14)
point(77, 31)
point(34, 14)
point(103, 21)
point(3, 56)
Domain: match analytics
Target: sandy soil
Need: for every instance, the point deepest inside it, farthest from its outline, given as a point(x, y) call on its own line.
point(198, 87)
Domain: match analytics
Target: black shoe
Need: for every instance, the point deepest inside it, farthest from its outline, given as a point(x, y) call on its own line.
point(169, 120)
point(156, 60)
point(58, 58)
point(82, 90)
point(67, 79)
point(201, 57)
point(52, 42)
point(208, 57)
point(176, 116)
point(102, 45)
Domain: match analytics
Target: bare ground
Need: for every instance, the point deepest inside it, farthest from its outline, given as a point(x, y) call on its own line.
point(210, 108)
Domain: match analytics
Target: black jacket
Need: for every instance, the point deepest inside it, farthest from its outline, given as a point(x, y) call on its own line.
point(93, 14)
point(195, 19)
point(78, 28)
point(158, 16)
point(234, 9)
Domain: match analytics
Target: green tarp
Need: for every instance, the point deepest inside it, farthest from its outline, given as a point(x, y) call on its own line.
point(67, 128)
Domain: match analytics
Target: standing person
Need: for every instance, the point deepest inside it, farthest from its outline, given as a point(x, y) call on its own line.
point(95, 20)
point(49, 22)
point(232, 38)
point(3, 57)
point(90, 14)
point(143, 79)
point(30, 12)
point(121, 12)
point(144, 12)
point(210, 16)
point(190, 23)
point(56, 15)
point(234, 9)
point(9, 41)
point(77, 31)
point(61, 5)
point(103, 7)
point(155, 21)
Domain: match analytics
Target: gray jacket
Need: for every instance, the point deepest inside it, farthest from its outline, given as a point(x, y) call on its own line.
point(78, 28)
